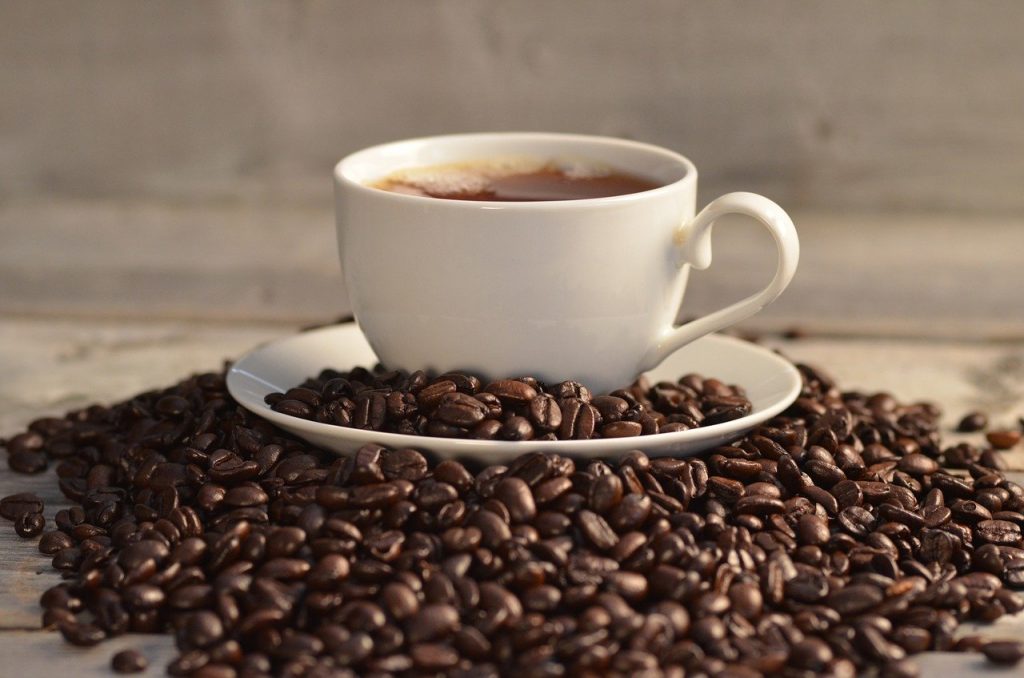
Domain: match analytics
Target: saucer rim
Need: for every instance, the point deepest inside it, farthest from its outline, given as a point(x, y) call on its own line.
point(463, 446)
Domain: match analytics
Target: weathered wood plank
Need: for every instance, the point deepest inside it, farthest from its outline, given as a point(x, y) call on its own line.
point(37, 654)
point(809, 102)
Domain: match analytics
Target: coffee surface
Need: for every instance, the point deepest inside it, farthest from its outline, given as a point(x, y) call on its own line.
point(515, 180)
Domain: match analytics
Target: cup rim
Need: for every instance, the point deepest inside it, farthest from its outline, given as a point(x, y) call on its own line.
point(344, 166)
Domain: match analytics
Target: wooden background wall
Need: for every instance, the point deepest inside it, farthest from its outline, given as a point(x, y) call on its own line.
point(173, 158)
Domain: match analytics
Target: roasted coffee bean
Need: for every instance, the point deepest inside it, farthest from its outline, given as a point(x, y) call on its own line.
point(81, 634)
point(432, 622)
point(972, 421)
point(29, 524)
point(15, 505)
point(128, 661)
point(605, 493)
point(518, 499)
point(1004, 651)
point(511, 391)
point(545, 413)
point(596, 530)
point(459, 409)
point(998, 532)
point(54, 541)
point(1001, 440)
point(27, 461)
point(812, 530)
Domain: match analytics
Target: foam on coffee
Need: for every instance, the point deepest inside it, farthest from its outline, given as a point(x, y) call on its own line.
point(514, 179)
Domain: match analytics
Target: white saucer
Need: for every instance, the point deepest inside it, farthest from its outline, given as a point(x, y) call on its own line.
point(771, 382)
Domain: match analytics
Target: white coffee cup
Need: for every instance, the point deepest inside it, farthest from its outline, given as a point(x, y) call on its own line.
point(577, 289)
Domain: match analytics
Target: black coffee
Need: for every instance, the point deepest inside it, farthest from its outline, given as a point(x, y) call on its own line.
point(515, 181)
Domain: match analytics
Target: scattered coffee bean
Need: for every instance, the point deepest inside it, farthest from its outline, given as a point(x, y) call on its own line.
point(1004, 651)
point(29, 524)
point(15, 505)
point(972, 422)
point(129, 661)
point(1003, 440)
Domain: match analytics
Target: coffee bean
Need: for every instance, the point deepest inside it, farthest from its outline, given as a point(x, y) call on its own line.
point(432, 622)
point(621, 429)
point(54, 541)
point(27, 461)
point(545, 413)
point(973, 421)
point(998, 532)
point(511, 391)
point(855, 599)
point(128, 661)
point(517, 497)
point(15, 505)
point(29, 524)
point(81, 634)
point(459, 409)
point(605, 493)
point(1003, 440)
point(596, 530)
point(404, 464)
point(1004, 651)
point(812, 530)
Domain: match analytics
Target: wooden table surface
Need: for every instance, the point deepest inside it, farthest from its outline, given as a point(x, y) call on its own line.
point(50, 366)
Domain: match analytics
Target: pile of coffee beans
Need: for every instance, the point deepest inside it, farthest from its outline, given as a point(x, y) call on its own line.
point(830, 540)
point(459, 405)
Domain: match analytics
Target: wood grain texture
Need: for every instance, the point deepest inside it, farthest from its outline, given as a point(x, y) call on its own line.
point(831, 104)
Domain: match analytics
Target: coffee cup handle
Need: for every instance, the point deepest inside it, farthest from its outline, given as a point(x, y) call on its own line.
point(693, 241)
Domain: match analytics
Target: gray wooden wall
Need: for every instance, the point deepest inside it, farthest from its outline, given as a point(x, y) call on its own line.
point(865, 104)
point(172, 158)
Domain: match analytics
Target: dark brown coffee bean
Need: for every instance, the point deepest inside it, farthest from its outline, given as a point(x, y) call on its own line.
point(545, 413)
point(612, 408)
point(726, 489)
point(998, 532)
point(605, 493)
point(128, 661)
point(430, 396)
point(759, 505)
point(596, 530)
point(550, 490)
point(621, 429)
point(516, 428)
point(432, 622)
point(973, 421)
point(855, 599)
point(15, 505)
point(83, 635)
point(27, 462)
point(29, 525)
point(433, 657)
point(53, 541)
point(459, 409)
point(517, 497)
point(511, 391)
point(579, 420)
point(812, 530)
point(203, 629)
point(1004, 651)
point(918, 464)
